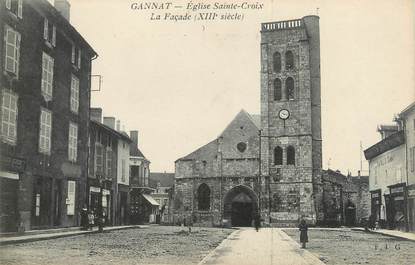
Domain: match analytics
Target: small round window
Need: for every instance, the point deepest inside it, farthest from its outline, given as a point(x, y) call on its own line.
point(241, 147)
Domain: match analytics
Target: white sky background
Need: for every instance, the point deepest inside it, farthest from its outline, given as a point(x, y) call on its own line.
point(181, 83)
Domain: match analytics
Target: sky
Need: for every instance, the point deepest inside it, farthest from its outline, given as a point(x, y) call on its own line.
point(180, 83)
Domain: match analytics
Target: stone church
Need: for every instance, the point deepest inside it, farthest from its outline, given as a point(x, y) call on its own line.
point(268, 164)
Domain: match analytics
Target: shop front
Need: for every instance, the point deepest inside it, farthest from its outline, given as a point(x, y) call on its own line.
point(11, 172)
point(411, 207)
point(100, 198)
point(396, 211)
point(376, 202)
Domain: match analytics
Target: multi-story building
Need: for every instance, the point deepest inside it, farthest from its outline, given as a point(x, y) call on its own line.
point(108, 169)
point(269, 164)
point(162, 183)
point(143, 208)
point(392, 172)
point(407, 121)
point(45, 99)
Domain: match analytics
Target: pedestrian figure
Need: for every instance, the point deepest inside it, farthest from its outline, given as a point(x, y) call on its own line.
point(303, 227)
point(257, 222)
point(84, 218)
point(190, 224)
point(91, 221)
point(372, 222)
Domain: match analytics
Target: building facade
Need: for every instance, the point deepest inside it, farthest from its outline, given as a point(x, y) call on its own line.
point(345, 199)
point(143, 208)
point(407, 120)
point(108, 149)
point(45, 91)
point(267, 165)
point(391, 173)
point(162, 183)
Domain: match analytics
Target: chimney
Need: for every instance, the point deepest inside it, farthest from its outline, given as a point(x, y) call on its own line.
point(134, 137)
point(118, 125)
point(110, 122)
point(96, 114)
point(64, 8)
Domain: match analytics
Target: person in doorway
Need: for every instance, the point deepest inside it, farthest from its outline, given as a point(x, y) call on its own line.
point(303, 227)
point(91, 220)
point(84, 218)
point(257, 222)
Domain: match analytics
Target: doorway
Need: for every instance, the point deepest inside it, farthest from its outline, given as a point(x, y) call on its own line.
point(240, 206)
point(350, 214)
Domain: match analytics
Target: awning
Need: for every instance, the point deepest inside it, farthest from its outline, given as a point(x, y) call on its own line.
point(150, 200)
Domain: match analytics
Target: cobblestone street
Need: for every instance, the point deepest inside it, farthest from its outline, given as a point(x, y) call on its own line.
point(152, 245)
point(346, 247)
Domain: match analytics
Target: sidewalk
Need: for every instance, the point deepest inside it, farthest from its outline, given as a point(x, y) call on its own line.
point(269, 246)
point(393, 233)
point(35, 235)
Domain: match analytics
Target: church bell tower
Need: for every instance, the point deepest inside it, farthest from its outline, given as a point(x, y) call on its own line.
point(291, 144)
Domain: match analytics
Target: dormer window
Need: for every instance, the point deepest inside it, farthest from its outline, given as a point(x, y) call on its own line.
point(76, 57)
point(15, 7)
point(49, 33)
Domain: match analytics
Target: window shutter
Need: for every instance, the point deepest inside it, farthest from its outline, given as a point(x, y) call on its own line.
point(71, 198)
point(6, 36)
point(51, 66)
point(18, 38)
point(45, 29)
point(8, 4)
point(20, 9)
point(73, 54)
point(54, 36)
point(79, 58)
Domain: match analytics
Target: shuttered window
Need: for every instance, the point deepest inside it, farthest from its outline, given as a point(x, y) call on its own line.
point(15, 6)
point(109, 161)
point(76, 56)
point(47, 76)
point(74, 94)
point(37, 204)
point(49, 32)
point(12, 51)
point(123, 170)
point(45, 131)
point(99, 156)
point(9, 117)
point(73, 142)
point(70, 203)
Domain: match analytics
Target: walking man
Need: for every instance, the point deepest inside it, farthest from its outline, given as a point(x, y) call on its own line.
point(257, 222)
point(303, 227)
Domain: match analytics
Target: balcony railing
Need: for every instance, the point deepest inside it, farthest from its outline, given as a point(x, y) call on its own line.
point(271, 26)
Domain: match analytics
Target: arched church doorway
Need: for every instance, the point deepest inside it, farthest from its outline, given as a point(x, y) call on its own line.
point(350, 214)
point(240, 206)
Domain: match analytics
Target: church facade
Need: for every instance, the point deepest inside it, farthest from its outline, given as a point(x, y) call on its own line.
point(267, 164)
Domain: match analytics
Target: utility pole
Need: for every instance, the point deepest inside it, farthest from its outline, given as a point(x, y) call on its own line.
point(361, 159)
point(259, 173)
point(220, 180)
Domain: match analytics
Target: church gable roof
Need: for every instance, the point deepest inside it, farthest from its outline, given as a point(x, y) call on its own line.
point(202, 152)
point(243, 118)
point(243, 128)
